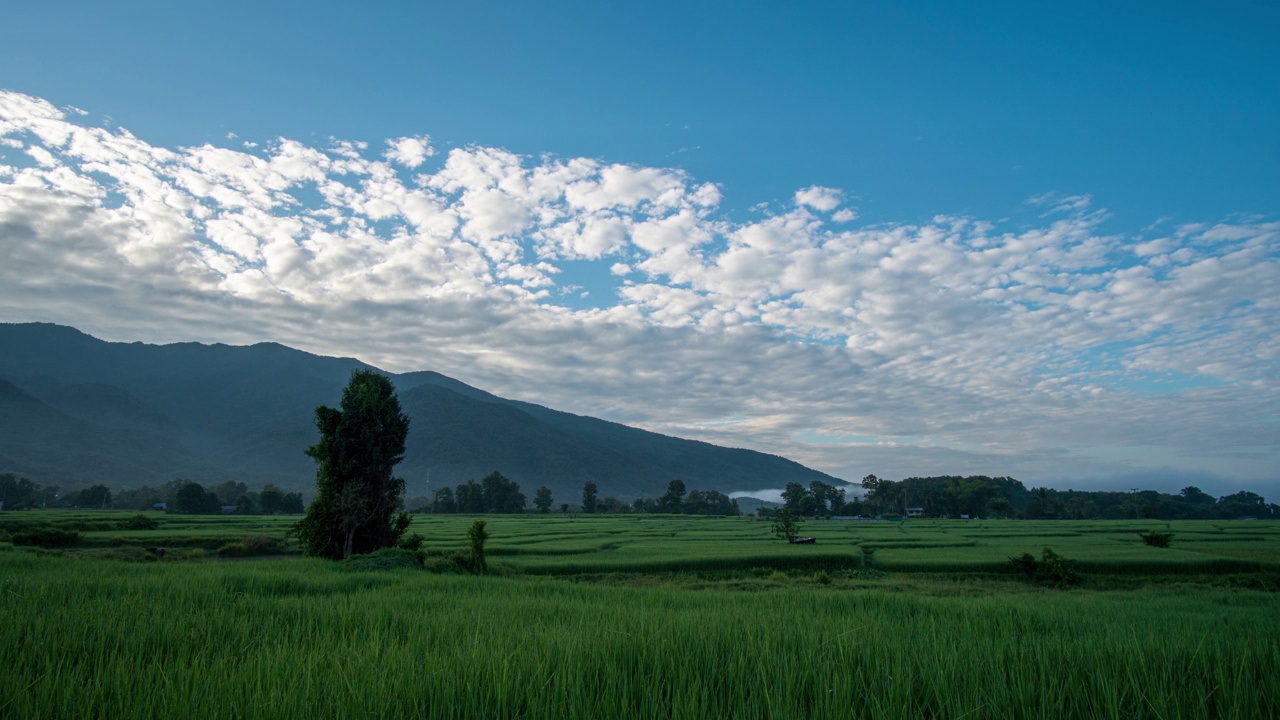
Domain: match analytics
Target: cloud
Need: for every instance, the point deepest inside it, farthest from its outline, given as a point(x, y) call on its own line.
point(954, 346)
point(819, 198)
point(409, 151)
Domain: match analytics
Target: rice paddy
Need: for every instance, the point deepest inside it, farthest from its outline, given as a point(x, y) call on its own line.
point(643, 616)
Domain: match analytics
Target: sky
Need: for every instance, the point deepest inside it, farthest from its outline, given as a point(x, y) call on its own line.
point(1040, 241)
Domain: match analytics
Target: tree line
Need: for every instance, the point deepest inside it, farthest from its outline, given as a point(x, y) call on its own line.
point(1005, 497)
point(179, 496)
point(497, 494)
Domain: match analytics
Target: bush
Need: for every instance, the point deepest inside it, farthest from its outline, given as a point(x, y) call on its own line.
point(392, 558)
point(450, 562)
point(1052, 568)
point(868, 556)
point(1155, 538)
point(1025, 564)
point(139, 522)
point(251, 546)
point(476, 535)
point(46, 537)
point(413, 542)
point(1057, 569)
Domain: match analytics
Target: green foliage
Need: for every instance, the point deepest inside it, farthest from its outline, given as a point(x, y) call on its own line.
point(470, 497)
point(444, 501)
point(454, 561)
point(46, 537)
point(274, 501)
point(476, 537)
point(784, 524)
point(868, 556)
point(543, 499)
point(500, 495)
point(1052, 568)
point(19, 493)
point(139, 522)
point(253, 545)
point(590, 494)
point(673, 499)
point(1025, 564)
point(1155, 538)
point(193, 499)
point(96, 496)
point(357, 497)
point(413, 542)
point(390, 558)
point(710, 502)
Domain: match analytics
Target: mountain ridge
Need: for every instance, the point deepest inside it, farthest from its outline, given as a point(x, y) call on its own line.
point(245, 412)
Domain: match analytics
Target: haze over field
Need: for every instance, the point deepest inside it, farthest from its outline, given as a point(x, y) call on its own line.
point(1031, 242)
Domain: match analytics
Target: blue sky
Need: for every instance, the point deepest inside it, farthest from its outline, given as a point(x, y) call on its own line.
point(898, 238)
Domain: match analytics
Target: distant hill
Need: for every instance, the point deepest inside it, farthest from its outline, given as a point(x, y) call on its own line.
point(75, 410)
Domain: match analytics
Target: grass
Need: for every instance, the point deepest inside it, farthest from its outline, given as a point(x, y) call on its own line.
point(314, 639)
point(653, 617)
point(557, 544)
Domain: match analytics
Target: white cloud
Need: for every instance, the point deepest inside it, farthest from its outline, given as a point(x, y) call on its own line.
point(958, 345)
point(819, 198)
point(409, 151)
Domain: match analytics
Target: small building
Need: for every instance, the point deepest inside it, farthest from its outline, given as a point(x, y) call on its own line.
point(160, 506)
point(915, 512)
point(228, 509)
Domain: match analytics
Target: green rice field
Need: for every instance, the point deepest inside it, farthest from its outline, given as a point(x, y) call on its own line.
point(645, 616)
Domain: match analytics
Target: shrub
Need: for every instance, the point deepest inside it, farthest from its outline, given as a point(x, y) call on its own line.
point(46, 537)
point(1024, 563)
point(1057, 569)
point(139, 522)
point(868, 556)
point(450, 562)
point(391, 558)
point(1052, 568)
point(251, 546)
point(1155, 538)
point(413, 542)
point(476, 535)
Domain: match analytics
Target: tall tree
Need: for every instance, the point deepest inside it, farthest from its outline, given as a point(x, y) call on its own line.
point(357, 498)
point(470, 497)
point(193, 499)
point(542, 500)
point(501, 495)
point(444, 502)
point(674, 498)
point(794, 496)
point(97, 496)
point(590, 495)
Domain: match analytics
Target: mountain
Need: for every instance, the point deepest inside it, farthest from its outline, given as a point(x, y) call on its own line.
point(75, 409)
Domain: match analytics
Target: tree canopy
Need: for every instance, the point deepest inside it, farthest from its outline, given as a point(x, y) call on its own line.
point(357, 497)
